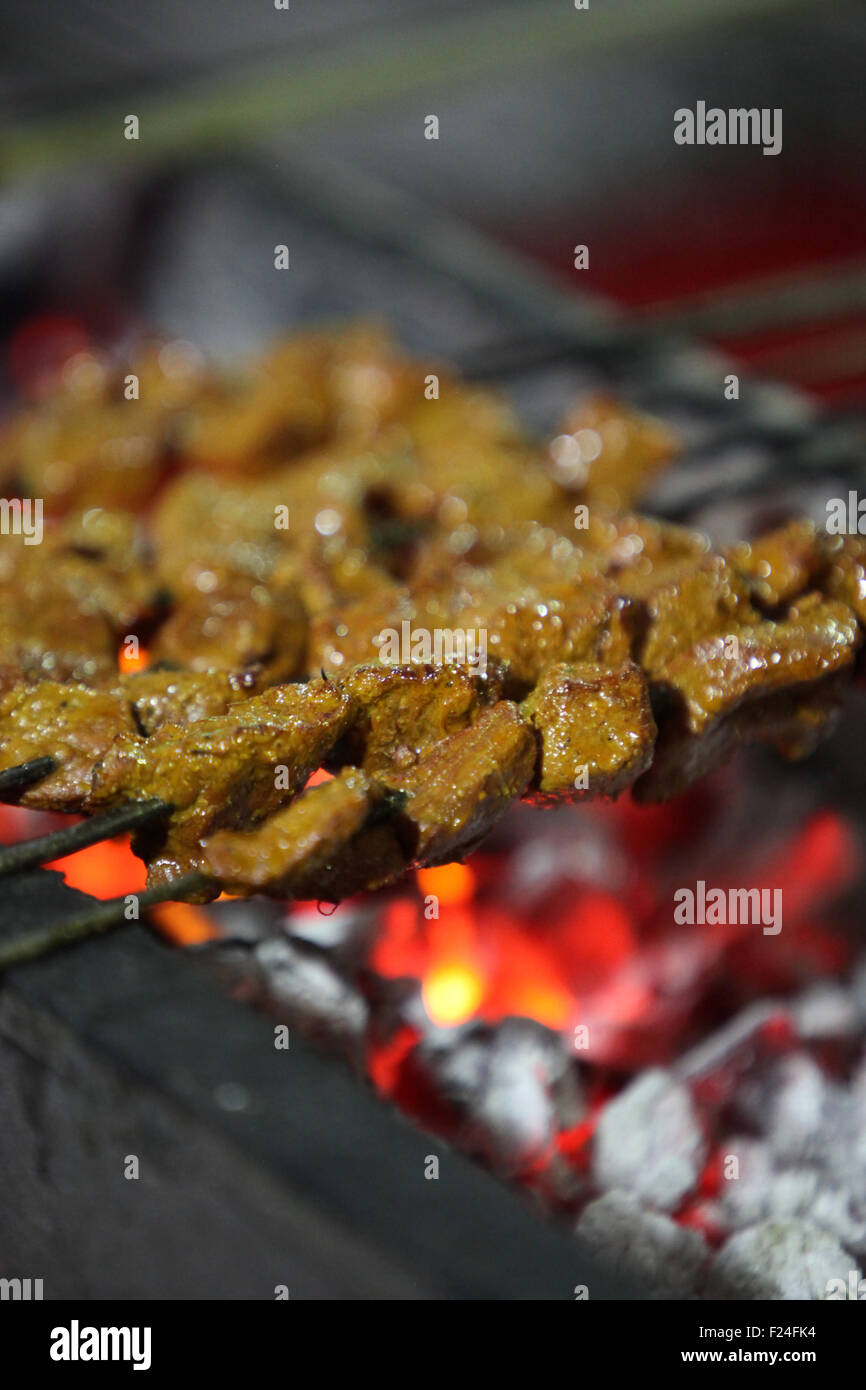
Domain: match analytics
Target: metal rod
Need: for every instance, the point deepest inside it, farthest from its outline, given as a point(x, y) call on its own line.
point(13, 778)
point(94, 919)
point(31, 853)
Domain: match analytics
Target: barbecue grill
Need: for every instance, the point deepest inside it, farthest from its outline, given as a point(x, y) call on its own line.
point(261, 1167)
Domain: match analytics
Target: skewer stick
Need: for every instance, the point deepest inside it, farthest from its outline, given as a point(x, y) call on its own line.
point(94, 919)
point(30, 854)
point(13, 778)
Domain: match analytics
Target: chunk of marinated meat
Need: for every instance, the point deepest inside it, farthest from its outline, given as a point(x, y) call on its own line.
point(846, 573)
point(595, 729)
point(462, 784)
point(780, 565)
point(226, 771)
point(612, 453)
point(45, 635)
point(691, 602)
point(717, 674)
point(160, 696)
point(437, 810)
point(70, 723)
point(80, 453)
point(296, 846)
point(94, 562)
point(401, 710)
point(768, 682)
point(793, 722)
point(239, 627)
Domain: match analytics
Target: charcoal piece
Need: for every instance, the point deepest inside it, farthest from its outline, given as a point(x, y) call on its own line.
point(314, 996)
point(649, 1141)
point(665, 1260)
point(777, 1260)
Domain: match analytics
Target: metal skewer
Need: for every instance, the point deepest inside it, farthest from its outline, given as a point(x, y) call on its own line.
point(13, 778)
point(31, 853)
point(94, 919)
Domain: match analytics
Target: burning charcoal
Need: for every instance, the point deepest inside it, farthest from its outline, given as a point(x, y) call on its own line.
point(778, 1259)
point(316, 998)
point(457, 1060)
point(521, 1044)
point(648, 1141)
point(762, 1192)
point(787, 1103)
point(515, 1087)
point(574, 848)
point(513, 1124)
point(844, 1134)
point(743, 1199)
point(664, 1259)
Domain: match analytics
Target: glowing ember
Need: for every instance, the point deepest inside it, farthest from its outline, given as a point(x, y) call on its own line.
point(132, 658)
point(452, 992)
point(105, 870)
point(183, 923)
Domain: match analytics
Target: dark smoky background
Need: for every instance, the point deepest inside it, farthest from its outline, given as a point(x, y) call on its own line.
point(556, 128)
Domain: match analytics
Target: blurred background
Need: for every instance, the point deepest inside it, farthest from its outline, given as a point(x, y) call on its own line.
point(556, 128)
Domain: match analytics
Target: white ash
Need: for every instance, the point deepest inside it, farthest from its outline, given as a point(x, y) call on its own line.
point(665, 1260)
point(743, 1199)
point(778, 1259)
point(843, 1150)
point(562, 856)
point(762, 1191)
point(825, 1011)
point(515, 1085)
point(787, 1102)
point(318, 998)
point(649, 1141)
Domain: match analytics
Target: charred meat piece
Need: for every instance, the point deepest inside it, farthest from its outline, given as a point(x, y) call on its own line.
point(766, 682)
point(295, 847)
point(462, 784)
point(780, 565)
point(610, 453)
point(595, 729)
point(70, 723)
point(81, 453)
point(846, 574)
point(226, 771)
point(719, 673)
point(45, 635)
point(692, 601)
point(793, 722)
point(401, 710)
point(159, 696)
point(239, 627)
